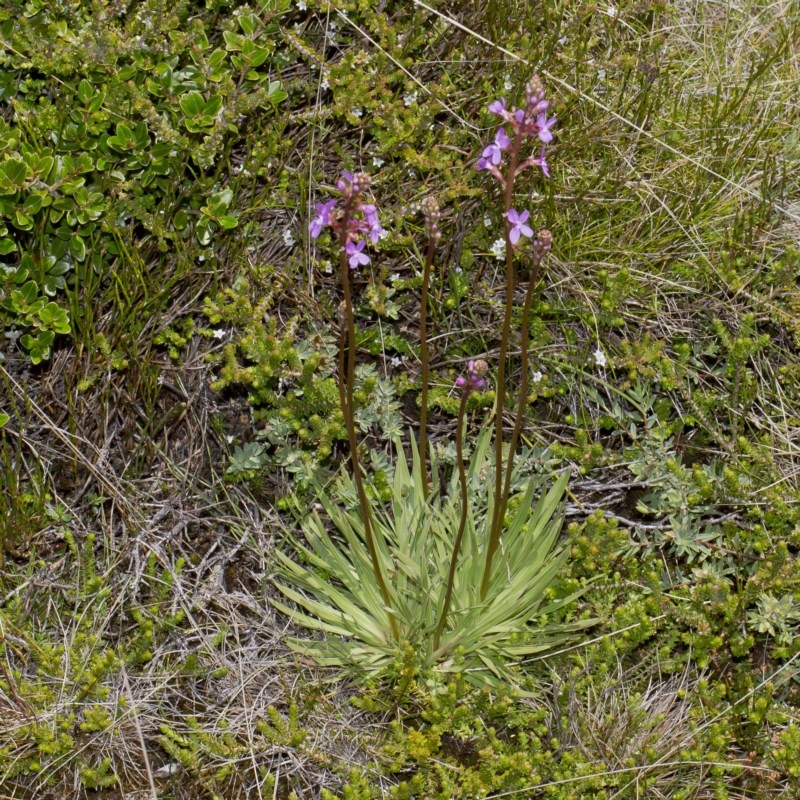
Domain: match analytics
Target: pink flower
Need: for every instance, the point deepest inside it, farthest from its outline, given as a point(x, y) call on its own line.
point(493, 154)
point(518, 226)
point(371, 226)
point(356, 256)
point(544, 124)
point(542, 162)
point(538, 161)
point(322, 218)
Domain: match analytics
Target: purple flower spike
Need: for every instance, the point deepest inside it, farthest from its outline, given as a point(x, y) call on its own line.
point(498, 107)
point(518, 226)
point(544, 124)
point(356, 256)
point(322, 219)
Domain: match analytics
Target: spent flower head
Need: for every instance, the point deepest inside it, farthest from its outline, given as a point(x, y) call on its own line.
point(542, 243)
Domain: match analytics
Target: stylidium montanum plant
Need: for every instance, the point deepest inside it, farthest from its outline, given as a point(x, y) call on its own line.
point(418, 575)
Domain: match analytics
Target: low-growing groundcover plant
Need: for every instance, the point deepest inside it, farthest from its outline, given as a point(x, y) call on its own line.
point(463, 576)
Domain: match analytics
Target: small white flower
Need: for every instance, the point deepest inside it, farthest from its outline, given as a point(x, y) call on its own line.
point(396, 361)
point(394, 277)
point(487, 221)
point(536, 377)
point(508, 84)
point(377, 162)
point(288, 238)
point(432, 126)
point(356, 112)
point(327, 267)
point(219, 333)
point(498, 249)
point(332, 26)
point(302, 5)
point(601, 74)
point(229, 439)
point(410, 98)
point(599, 357)
point(325, 84)
point(611, 11)
point(412, 174)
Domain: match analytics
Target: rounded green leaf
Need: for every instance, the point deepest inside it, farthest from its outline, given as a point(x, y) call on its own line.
point(192, 104)
point(78, 248)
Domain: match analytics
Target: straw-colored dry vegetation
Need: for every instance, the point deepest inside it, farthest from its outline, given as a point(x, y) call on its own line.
point(168, 395)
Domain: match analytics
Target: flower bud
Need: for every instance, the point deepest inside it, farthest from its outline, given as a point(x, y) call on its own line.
point(534, 90)
point(479, 367)
point(542, 243)
point(361, 181)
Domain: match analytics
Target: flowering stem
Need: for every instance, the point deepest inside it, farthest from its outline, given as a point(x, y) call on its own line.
point(497, 517)
point(423, 347)
point(523, 390)
point(342, 367)
point(350, 421)
point(462, 481)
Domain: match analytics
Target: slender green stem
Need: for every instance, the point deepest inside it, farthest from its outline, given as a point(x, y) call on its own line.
point(366, 511)
point(523, 390)
point(497, 519)
point(462, 481)
point(423, 349)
